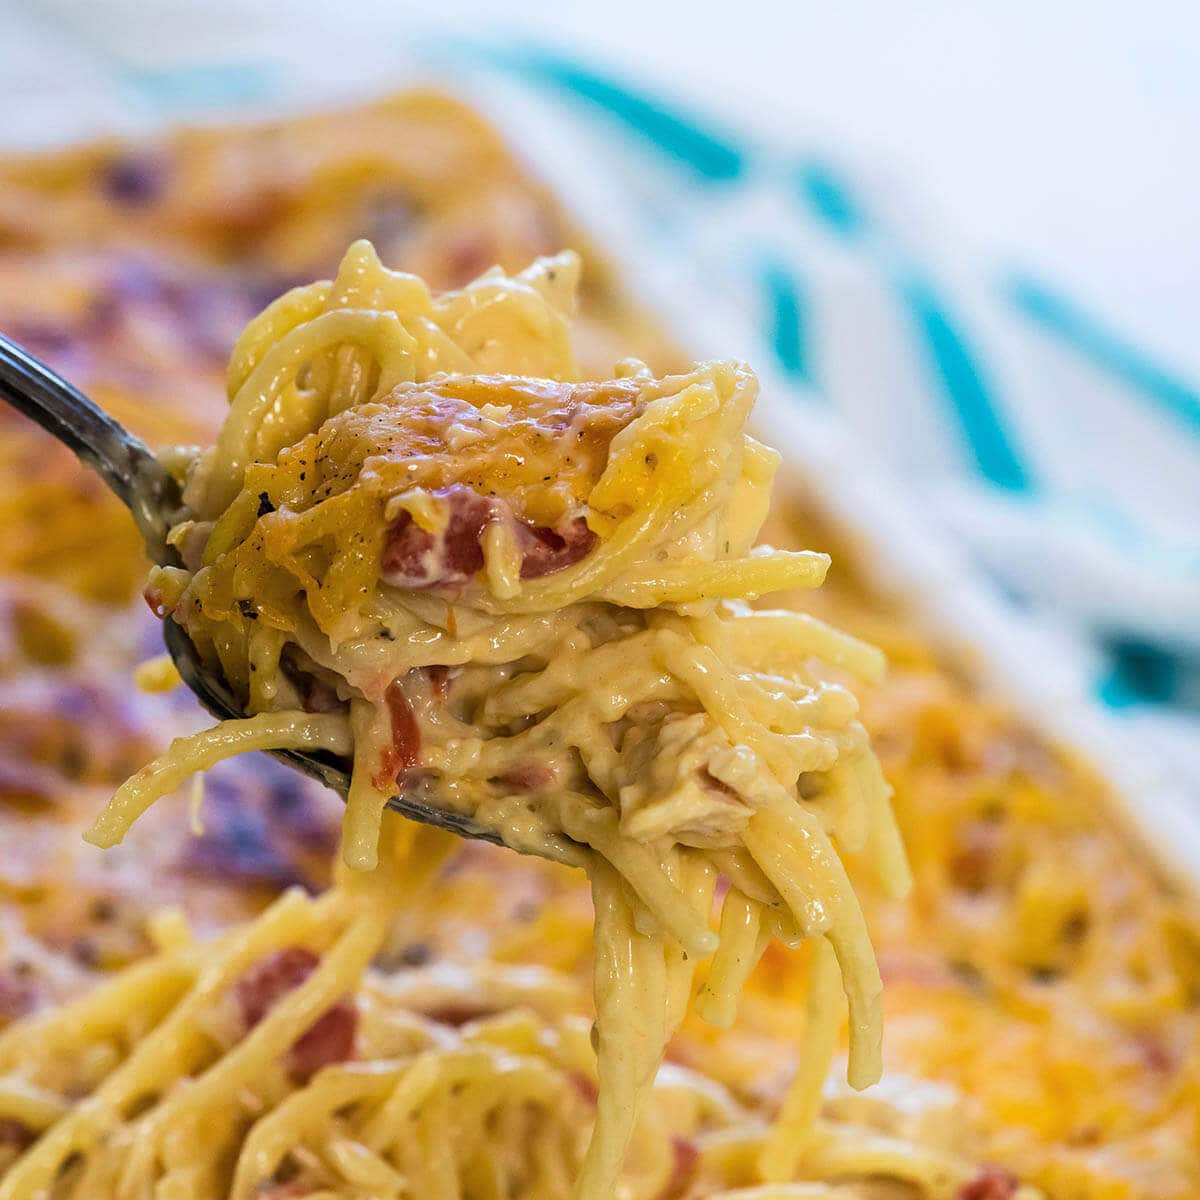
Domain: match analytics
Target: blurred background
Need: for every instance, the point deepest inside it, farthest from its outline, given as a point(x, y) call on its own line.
point(965, 231)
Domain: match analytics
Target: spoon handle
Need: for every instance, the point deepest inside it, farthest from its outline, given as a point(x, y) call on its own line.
point(123, 461)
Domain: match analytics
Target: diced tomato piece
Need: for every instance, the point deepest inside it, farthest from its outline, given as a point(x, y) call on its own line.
point(330, 1039)
point(992, 1183)
point(404, 753)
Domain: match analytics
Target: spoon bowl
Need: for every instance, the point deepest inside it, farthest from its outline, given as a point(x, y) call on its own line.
point(142, 484)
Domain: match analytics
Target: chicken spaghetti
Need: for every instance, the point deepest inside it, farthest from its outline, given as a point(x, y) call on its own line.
point(418, 541)
point(1042, 984)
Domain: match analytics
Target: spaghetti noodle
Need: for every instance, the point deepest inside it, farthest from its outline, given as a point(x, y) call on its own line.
point(523, 598)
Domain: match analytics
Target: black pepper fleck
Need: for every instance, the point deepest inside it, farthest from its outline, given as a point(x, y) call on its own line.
point(417, 954)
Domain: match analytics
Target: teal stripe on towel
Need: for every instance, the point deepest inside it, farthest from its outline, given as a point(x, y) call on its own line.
point(964, 384)
point(830, 200)
point(202, 85)
point(1140, 673)
point(784, 318)
point(682, 137)
point(1106, 349)
point(834, 203)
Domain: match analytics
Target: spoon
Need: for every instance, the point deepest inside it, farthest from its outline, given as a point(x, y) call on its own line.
point(141, 483)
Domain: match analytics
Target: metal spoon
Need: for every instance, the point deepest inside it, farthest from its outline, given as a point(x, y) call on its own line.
point(126, 464)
